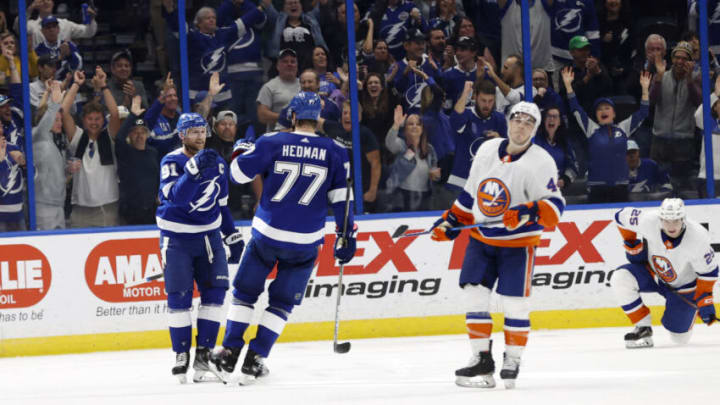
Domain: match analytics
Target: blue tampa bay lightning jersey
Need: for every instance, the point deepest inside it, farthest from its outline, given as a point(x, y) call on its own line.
point(302, 173)
point(187, 207)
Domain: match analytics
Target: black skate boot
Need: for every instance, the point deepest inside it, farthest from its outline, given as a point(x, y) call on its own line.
point(223, 363)
point(510, 370)
point(479, 372)
point(182, 362)
point(204, 372)
point(253, 368)
point(640, 337)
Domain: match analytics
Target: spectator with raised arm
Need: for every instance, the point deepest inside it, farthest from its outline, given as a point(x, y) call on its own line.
point(294, 29)
point(137, 168)
point(510, 85)
point(675, 95)
point(592, 80)
point(547, 97)
point(415, 165)
point(95, 190)
point(466, 28)
point(122, 85)
point(409, 75)
point(65, 52)
point(52, 169)
point(607, 166)
point(68, 30)
point(162, 117)
point(47, 66)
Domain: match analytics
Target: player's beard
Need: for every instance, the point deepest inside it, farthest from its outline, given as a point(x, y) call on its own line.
point(192, 148)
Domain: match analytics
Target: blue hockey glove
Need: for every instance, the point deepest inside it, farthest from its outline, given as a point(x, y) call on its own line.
point(204, 165)
point(635, 251)
point(345, 246)
point(706, 309)
point(235, 242)
point(441, 227)
point(519, 215)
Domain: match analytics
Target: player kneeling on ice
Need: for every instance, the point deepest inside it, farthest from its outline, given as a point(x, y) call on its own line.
point(302, 174)
point(193, 211)
point(670, 255)
point(516, 181)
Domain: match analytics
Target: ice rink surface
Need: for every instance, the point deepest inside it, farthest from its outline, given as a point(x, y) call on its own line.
point(588, 366)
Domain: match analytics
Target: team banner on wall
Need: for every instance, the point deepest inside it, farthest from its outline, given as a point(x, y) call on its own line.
point(73, 284)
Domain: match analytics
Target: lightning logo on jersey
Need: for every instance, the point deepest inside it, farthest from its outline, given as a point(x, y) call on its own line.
point(413, 94)
point(213, 61)
point(663, 268)
point(569, 20)
point(493, 197)
point(208, 198)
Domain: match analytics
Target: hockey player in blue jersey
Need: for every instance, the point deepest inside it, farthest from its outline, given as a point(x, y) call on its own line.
point(192, 214)
point(302, 174)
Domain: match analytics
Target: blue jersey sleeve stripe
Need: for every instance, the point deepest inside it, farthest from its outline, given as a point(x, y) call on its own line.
point(237, 175)
point(711, 275)
point(465, 201)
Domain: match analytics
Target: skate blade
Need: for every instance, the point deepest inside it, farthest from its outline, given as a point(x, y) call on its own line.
point(509, 384)
point(203, 376)
point(639, 344)
point(246, 379)
point(182, 378)
point(481, 381)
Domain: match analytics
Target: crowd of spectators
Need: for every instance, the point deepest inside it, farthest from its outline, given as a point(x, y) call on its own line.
point(618, 84)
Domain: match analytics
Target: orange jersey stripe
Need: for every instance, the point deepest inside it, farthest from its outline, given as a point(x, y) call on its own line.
point(513, 338)
point(547, 216)
point(532, 240)
point(479, 330)
point(626, 234)
point(638, 314)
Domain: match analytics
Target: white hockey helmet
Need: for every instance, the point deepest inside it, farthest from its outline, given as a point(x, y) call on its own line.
point(527, 108)
point(672, 209)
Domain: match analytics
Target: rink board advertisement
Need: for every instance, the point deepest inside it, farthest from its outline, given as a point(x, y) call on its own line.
point(80, 292)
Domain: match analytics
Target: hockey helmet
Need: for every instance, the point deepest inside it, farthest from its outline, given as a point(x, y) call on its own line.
point(530, 109)
point(672, 209)
point(306, 105)
point(190, 120)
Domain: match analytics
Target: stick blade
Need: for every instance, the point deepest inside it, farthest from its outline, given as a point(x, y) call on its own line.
point(400, 231)
point(341, 348)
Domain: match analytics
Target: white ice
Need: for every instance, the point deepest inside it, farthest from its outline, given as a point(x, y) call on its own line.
point(588, 366)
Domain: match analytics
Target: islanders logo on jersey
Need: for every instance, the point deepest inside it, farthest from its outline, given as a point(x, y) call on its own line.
point(493, 197)
point(663, 268)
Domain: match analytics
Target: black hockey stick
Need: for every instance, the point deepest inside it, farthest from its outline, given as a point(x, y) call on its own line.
point(400, 231)
point(677, 294)
point(144, 280)
point(345, 346)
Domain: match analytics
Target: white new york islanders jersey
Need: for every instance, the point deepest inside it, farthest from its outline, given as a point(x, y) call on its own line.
point(679, 262)
point(498, 181)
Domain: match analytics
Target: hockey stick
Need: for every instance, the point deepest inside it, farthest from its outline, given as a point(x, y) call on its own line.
point(144, 280)
point(400, 231)
point(677, 294)
point(345, 346)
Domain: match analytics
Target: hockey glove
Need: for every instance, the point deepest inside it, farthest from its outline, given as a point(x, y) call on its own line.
point(706, 309)
point(345, 246)
point(635, 251)
point(519, 215)
point(442, 227)
point(207, 164)
point(235, 243)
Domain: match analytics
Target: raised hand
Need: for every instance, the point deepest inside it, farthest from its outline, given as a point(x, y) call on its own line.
point(79, 77)
point(100, 79)
point(56, 93)
point(568, 76)
point(128, 88)
point(398, 117)
point(215, 87)
point(645, 78)
point(135, 106)
point(660, 65)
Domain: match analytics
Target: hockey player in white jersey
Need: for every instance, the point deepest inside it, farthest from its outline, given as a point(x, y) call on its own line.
point(512, 194)
point(671, 255)
point(302, 174)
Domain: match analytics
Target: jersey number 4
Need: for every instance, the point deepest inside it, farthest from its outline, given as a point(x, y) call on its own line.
point(293, 171)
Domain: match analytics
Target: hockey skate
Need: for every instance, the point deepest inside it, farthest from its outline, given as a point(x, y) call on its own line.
point(253, 368)
point(223, 364)
point(182, 362)
point(478, 373)
point(204, 371)
point(639, 338)
point(510, 370)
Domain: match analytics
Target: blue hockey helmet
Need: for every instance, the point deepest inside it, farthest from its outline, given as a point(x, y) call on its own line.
point(306, 106)
point(190, 120)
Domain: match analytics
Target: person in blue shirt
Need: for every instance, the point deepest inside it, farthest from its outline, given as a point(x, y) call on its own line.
point(552, 137)
point(646, 175)
point(607, 141)
point(192, 214)
point(302, 174)
point(64, 51)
